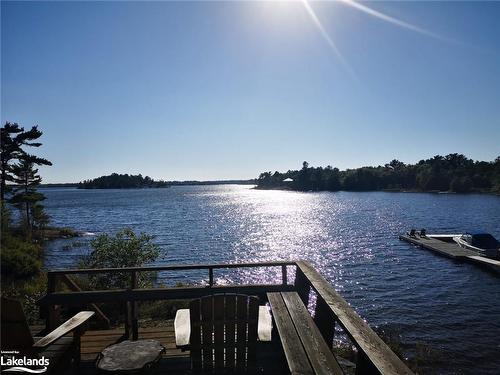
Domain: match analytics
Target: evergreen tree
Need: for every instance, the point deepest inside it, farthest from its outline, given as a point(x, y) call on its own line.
point(26, 196)
point(453, 172)
point(13, 137)
point(10, 149)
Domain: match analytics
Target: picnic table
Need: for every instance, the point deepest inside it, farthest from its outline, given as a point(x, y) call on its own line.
point(305, 349)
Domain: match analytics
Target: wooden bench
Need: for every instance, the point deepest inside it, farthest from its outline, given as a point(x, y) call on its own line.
point(305, 349)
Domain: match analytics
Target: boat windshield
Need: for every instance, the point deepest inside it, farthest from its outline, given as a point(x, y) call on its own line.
point(485, 241)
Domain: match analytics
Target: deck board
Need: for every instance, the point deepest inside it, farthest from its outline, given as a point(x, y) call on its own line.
point(320, 356)
point(175, 361)
point(93, 342)
point(294, 351)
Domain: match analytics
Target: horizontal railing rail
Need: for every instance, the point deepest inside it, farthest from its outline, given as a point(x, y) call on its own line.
point(374, 356)
point(181, 267)
point(51, 302)
point(134, 295)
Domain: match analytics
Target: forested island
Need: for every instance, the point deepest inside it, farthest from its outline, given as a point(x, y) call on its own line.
point(122, 181)
point(212, 182)
point(452, 173)
point(125, 181)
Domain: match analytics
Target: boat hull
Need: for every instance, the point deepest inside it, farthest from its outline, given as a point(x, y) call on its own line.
point(490, 253)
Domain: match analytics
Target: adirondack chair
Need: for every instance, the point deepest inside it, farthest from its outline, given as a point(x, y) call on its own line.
point(224, 333)
point(57, 346)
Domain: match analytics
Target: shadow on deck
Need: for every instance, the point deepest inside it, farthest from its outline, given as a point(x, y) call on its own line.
point(270, 357)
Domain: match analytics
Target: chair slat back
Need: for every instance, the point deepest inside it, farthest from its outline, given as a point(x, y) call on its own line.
point(224, 332)
point(16, 333)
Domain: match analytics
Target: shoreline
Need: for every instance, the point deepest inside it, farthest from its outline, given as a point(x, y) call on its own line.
point(287, 188)
point(56, 233)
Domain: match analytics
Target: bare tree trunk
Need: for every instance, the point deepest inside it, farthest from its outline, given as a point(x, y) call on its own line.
point(28, 221)
point(2, 184)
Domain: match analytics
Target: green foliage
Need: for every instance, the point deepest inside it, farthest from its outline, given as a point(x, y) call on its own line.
point(10, 149)
point(26, 196)
point(28, 291)
point(5, 219)
point(124, 249)
point(453, 172)
point(39, 217)
point(161, 311)
point(18, 167)
point(461, 184)
point(121, 181)
point(13, 138)
point(20, 259)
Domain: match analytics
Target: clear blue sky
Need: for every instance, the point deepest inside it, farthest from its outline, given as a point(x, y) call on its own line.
point(219, 90)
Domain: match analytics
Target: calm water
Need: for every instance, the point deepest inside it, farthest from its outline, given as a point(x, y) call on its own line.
point(352, 238)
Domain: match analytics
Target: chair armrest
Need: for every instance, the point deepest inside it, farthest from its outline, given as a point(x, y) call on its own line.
point(265, 324)
point(65, 328)
point(182, 327)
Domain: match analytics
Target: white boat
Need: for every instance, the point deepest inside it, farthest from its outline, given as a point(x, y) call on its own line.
point(483, 243)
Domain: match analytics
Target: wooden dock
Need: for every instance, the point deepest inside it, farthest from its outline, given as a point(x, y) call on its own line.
point(453, 251)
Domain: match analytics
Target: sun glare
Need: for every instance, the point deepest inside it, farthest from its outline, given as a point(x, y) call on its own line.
point(363, 8)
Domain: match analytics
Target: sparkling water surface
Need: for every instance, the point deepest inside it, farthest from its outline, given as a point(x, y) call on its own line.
point(351, 238)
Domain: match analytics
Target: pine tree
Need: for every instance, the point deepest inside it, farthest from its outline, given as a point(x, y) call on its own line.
point(26, 197)
point(13, 137)
point(10, 149)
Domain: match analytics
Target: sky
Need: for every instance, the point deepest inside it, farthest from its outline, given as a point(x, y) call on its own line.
point(227, 90)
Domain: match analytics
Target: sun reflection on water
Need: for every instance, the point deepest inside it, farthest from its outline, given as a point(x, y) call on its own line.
point(350, 238)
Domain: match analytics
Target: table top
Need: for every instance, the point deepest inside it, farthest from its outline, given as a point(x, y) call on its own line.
point(130, 355)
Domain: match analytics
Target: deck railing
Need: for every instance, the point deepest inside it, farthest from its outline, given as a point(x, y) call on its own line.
point(374, 356)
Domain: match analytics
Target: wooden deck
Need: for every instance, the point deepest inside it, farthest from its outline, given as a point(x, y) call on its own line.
point(453, 251)
point(330, 310)
point(270, 357)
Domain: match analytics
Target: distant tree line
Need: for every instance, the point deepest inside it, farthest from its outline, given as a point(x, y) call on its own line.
point(122, 181)
point(453, 172)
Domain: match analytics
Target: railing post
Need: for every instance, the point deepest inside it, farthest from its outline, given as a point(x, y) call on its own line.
point(131, 326)
point(364, 366)
point(284, 275)
point(53, 311)
point(210, 277)
point(302, 286)
point(135, 326)
point(325, 320)
point(128, 320)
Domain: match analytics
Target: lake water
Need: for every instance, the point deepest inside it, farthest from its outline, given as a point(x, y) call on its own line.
point(352, 239)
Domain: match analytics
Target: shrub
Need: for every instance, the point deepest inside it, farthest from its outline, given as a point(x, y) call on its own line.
point(19, 259)
point(124, 249)
point(28, 292)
